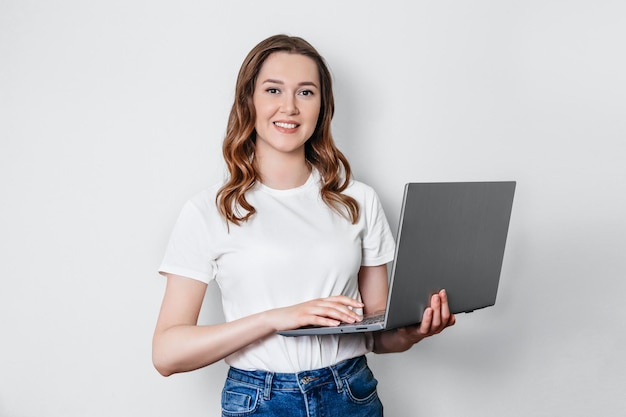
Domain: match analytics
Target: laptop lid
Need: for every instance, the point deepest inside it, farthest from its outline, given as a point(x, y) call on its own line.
point(451, 235)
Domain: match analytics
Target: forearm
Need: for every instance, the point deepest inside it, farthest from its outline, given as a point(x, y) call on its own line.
point(393, 341)
point(180, 345)
point(183, 348)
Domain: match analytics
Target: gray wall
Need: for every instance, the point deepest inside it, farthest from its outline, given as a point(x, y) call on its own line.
point(112, 114)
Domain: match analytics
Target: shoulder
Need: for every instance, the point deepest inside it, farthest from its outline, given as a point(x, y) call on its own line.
point(203, 203)
point(206, 196)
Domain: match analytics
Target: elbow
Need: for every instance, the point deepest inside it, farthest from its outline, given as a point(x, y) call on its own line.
point(170, 359)
point(168, 367)
point(161, 367)
point(161, 364)
point(163, 371)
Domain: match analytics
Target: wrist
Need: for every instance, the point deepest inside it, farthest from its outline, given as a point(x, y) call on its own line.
point(394, 341)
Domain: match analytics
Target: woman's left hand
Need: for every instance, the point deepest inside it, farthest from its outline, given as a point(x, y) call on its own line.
point(436, 318)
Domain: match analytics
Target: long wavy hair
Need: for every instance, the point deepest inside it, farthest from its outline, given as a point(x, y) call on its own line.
point(320, 150)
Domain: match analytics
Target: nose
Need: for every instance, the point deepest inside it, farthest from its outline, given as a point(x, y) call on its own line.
point(289, 105)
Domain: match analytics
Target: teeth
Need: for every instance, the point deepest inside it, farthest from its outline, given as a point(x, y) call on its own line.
point(286, 125)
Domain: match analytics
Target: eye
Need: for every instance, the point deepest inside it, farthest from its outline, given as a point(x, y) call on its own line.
point(306, 93)
point(273, 90)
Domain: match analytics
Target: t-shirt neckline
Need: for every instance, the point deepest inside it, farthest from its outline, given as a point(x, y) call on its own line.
point(310, 182)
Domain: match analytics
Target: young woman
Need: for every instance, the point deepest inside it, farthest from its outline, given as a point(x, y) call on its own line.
point(292, 240)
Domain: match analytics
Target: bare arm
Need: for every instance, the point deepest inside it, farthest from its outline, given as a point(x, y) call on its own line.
point(374, 289)
point(180, 345)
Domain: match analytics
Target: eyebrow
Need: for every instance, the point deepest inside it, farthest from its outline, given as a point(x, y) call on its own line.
point(303, 83)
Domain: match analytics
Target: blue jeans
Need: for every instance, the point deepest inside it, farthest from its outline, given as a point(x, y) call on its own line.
point(345, 389)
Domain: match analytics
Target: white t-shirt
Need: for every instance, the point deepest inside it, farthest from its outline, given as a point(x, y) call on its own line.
point(293, 249)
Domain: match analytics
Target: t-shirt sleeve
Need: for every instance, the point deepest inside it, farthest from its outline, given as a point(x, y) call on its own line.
point(188, 250)
point(378, 242)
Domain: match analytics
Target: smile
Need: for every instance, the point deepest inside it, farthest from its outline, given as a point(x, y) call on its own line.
point(286, 125)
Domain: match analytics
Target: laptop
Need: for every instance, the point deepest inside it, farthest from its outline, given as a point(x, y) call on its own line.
point(451, 236)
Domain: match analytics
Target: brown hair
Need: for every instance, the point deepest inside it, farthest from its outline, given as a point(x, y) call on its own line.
point(320, 150)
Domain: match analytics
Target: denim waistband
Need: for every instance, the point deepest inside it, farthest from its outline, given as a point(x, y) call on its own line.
point(301, 381)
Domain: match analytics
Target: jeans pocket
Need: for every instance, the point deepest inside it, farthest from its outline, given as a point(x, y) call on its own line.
point(239, 400)
point(361, 386)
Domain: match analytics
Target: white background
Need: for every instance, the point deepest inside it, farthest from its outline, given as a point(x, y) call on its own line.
point(112, 115)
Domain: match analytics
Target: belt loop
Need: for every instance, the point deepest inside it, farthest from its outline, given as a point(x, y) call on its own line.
point(337, 377)
point(268, 385)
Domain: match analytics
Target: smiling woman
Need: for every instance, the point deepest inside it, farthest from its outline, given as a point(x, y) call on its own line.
point(292, 240)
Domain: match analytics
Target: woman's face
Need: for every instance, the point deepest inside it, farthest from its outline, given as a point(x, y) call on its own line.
point(287, 100)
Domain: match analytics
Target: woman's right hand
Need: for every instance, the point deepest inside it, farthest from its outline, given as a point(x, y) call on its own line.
point(329, 311)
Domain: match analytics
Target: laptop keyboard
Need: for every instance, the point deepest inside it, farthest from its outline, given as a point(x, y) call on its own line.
point(367, 320)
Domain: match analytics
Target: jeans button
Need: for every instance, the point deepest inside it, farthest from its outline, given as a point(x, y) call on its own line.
point(305, 380)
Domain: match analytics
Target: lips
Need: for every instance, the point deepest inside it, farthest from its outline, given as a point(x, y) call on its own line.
point(286, 125)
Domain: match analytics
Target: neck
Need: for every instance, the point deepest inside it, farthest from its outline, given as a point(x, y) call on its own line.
point(283, 173)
